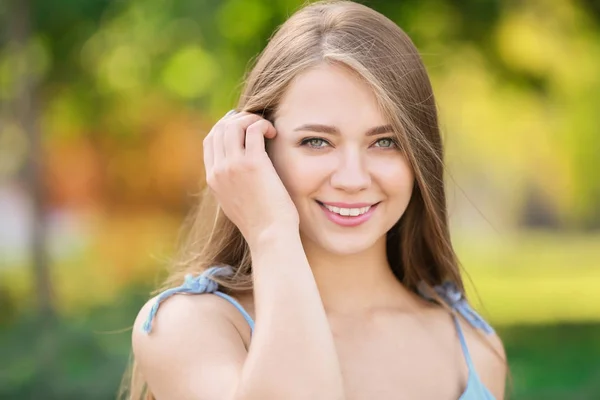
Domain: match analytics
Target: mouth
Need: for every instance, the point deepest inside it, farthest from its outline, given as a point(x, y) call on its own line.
point(345, 214)
point(347, 210)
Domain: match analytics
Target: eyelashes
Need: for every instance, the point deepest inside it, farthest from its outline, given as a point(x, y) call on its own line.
point(320, 143)
point(390, 140)
point(314, 142)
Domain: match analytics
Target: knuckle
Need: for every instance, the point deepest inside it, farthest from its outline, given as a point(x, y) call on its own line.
point(217, 127)
point(257, 125)
point(247, 164)
point(211, 179)
point(253, 130)
point(239, 165)
point(229, 126)
point(262, 125)
point(218, 172)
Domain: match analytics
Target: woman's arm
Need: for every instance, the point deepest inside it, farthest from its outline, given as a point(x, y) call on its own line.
point(196, 352)
point(293, 353)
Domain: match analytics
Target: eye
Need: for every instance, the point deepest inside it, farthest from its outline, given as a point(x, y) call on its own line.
point(386, 143)
point(314, 142)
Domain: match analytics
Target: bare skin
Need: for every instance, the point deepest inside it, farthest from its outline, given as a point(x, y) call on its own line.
point(401, 354)
point(332, 322)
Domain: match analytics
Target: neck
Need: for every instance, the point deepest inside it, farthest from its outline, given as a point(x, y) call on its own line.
point(358, 283)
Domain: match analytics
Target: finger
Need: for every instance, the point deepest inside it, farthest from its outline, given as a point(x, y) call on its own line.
point(233, 115)
point(256, 134)
point(214, 150)
point(207, 147)
point(232, 125)
point(242, 121)
point(233, 142)
point(228, 115)
point(218, 144)
point(234, 130)
point(245, 119)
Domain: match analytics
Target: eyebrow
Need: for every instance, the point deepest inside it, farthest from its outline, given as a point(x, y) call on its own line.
point(378, 130)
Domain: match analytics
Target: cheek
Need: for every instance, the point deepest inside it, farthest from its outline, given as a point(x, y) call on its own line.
point(299, 173)
point(395, 177)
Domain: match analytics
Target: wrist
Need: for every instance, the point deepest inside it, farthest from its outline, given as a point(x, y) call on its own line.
point(277, 233)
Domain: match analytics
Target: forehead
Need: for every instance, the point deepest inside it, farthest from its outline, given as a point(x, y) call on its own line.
point(332, 95)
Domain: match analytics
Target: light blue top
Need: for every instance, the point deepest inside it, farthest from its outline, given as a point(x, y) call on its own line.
point(474, 390)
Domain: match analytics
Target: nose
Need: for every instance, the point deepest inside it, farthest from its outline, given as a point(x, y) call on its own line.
point(351, 174)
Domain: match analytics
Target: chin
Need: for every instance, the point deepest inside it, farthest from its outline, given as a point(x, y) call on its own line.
point(344, 245)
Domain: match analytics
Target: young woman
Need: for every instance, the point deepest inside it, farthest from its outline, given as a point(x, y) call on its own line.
point(322, 247)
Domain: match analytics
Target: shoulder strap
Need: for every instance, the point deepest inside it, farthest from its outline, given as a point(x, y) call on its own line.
point(449, 293)
point(202, 283)
point(455, 299)
point(463, 345)
point(241, 309)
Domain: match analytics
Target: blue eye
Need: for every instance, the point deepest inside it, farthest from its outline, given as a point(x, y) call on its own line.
point(315, 142)
point(386, 143)
point(320, 143)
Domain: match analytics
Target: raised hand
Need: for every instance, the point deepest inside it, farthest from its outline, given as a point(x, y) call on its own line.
point(242, 177)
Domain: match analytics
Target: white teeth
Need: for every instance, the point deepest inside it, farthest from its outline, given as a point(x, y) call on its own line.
point(348, 211)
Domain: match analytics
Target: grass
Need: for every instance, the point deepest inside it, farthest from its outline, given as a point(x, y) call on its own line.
point(534, 278)
point(553, 362)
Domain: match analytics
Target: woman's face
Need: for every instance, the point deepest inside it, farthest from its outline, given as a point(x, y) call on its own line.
point(339, 161)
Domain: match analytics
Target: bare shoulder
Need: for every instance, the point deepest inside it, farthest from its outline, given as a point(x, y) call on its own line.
point(196, 348)
point(489, 357)
point(183, 312)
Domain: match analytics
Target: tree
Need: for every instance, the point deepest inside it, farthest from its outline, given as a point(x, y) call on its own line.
point(25, 110)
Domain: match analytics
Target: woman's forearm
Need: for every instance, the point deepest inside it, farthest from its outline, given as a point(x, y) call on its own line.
point(292, 355)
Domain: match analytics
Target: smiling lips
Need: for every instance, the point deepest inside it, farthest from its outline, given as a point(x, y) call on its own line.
point(346, 214)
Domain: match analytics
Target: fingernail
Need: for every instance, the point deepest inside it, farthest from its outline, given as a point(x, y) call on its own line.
point(230, 112)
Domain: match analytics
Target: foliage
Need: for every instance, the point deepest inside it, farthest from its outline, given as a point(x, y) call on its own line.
point(80, 357)
point(126, 90)
point(119, 74)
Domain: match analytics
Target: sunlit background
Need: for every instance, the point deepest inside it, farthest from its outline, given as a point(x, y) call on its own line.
point(103, 107)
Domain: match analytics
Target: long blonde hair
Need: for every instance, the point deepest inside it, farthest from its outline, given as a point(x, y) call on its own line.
point(383, 56)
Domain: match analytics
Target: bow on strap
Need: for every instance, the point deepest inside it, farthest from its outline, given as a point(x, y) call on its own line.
point(193, 284)
point(451, 295)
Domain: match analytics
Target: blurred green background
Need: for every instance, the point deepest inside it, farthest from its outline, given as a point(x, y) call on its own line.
point(103, 106)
